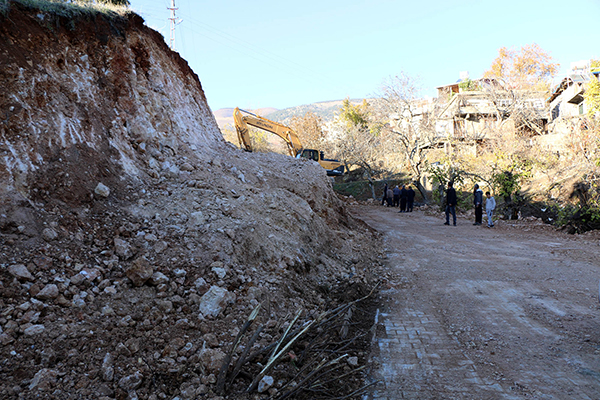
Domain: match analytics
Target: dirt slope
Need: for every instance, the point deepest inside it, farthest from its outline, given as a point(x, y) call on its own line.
point(134, 242)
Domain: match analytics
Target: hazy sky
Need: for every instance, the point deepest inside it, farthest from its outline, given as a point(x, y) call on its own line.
point(266, 53)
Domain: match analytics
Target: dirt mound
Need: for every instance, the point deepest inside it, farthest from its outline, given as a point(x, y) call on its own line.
point(134, 241)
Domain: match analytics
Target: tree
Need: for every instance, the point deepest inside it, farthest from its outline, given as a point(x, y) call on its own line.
point(358, 141)
point(401, 110)
point(526, 68)
point(229, 134)
point(355, 115)
point(592, 92)
point(309, 129)
point(518, 83)
point(260, 141)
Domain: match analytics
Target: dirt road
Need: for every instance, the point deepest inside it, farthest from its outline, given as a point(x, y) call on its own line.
point(470, 312)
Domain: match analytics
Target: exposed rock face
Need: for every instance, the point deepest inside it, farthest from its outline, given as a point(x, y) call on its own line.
point(117, 290)
point(85, 97)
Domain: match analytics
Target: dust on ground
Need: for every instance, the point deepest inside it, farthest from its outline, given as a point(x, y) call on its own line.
point(471, 312)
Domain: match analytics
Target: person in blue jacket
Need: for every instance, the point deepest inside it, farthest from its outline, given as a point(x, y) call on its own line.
point(396, 196)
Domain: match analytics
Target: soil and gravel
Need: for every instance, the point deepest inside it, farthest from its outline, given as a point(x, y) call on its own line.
point(135, 242)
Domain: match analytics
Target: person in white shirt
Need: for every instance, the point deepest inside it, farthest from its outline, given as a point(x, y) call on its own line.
point(490, 206)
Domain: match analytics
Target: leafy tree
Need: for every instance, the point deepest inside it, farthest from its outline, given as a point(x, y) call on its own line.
point(527, 67)
point(468, 85)
point(440, 174)
point(113, 2)
point(518, 84)
point(592, 93)
point(355, 115)
point(358, 141)
point(260, 140)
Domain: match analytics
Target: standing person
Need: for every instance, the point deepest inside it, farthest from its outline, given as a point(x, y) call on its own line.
point(490, 206)
point(384, 197)
point(403, 198)
point(478, 202)
point(390, 197)
point(450, 204)
point(396, 196)
point(411, 199)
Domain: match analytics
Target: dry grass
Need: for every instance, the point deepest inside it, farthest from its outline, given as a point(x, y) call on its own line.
point(71, 9)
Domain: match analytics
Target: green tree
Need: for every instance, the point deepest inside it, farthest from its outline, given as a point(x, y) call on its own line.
point(355, 115)
point(359, 142)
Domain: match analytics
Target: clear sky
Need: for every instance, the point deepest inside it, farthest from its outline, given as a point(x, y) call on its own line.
point(266, 53)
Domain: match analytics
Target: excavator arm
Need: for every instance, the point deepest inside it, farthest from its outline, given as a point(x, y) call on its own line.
point(295, 148)
point(241, 126)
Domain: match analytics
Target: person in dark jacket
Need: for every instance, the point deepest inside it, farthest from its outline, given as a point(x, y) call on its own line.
point(384, 197)
point(450, 204)
point(478, 203)
point(396, 196)
point(410, 199)
point(403, 198)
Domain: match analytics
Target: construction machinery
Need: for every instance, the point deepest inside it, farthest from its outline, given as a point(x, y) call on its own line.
point(294, 146)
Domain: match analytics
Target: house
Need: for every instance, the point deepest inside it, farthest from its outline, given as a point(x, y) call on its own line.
point(566, 100)
point(568, 109)
point(475, 109)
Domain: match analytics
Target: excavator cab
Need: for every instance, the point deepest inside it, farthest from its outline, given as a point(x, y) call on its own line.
point(310, 154)
point(333, 167)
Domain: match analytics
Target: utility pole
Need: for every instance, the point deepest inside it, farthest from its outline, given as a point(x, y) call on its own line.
point(173, 20)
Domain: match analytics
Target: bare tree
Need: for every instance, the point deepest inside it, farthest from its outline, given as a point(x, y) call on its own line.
point(523, 106)
point(358, 141)
point(309, 128)
point(411, 119)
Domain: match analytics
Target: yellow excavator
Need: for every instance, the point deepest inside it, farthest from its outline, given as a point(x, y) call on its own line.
point(295, 148)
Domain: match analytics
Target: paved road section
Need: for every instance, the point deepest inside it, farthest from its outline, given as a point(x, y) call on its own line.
point(475, 313)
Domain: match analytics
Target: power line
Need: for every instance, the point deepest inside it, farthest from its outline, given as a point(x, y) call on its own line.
point(261, 54)
point(244, 47)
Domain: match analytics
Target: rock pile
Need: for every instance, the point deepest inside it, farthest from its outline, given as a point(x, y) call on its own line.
point(129, 261)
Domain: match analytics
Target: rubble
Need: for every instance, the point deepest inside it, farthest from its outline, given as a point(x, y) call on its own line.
point(138, 286)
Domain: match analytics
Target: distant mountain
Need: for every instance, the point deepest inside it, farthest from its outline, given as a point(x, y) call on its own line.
point(327, 110)
point(224, 116)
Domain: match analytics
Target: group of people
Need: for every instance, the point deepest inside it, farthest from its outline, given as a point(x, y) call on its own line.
point(490, 206)
point(399, 197)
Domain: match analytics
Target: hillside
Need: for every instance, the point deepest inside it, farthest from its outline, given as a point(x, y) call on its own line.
point(327, 110)
point(135, 242)
point(224, 116)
